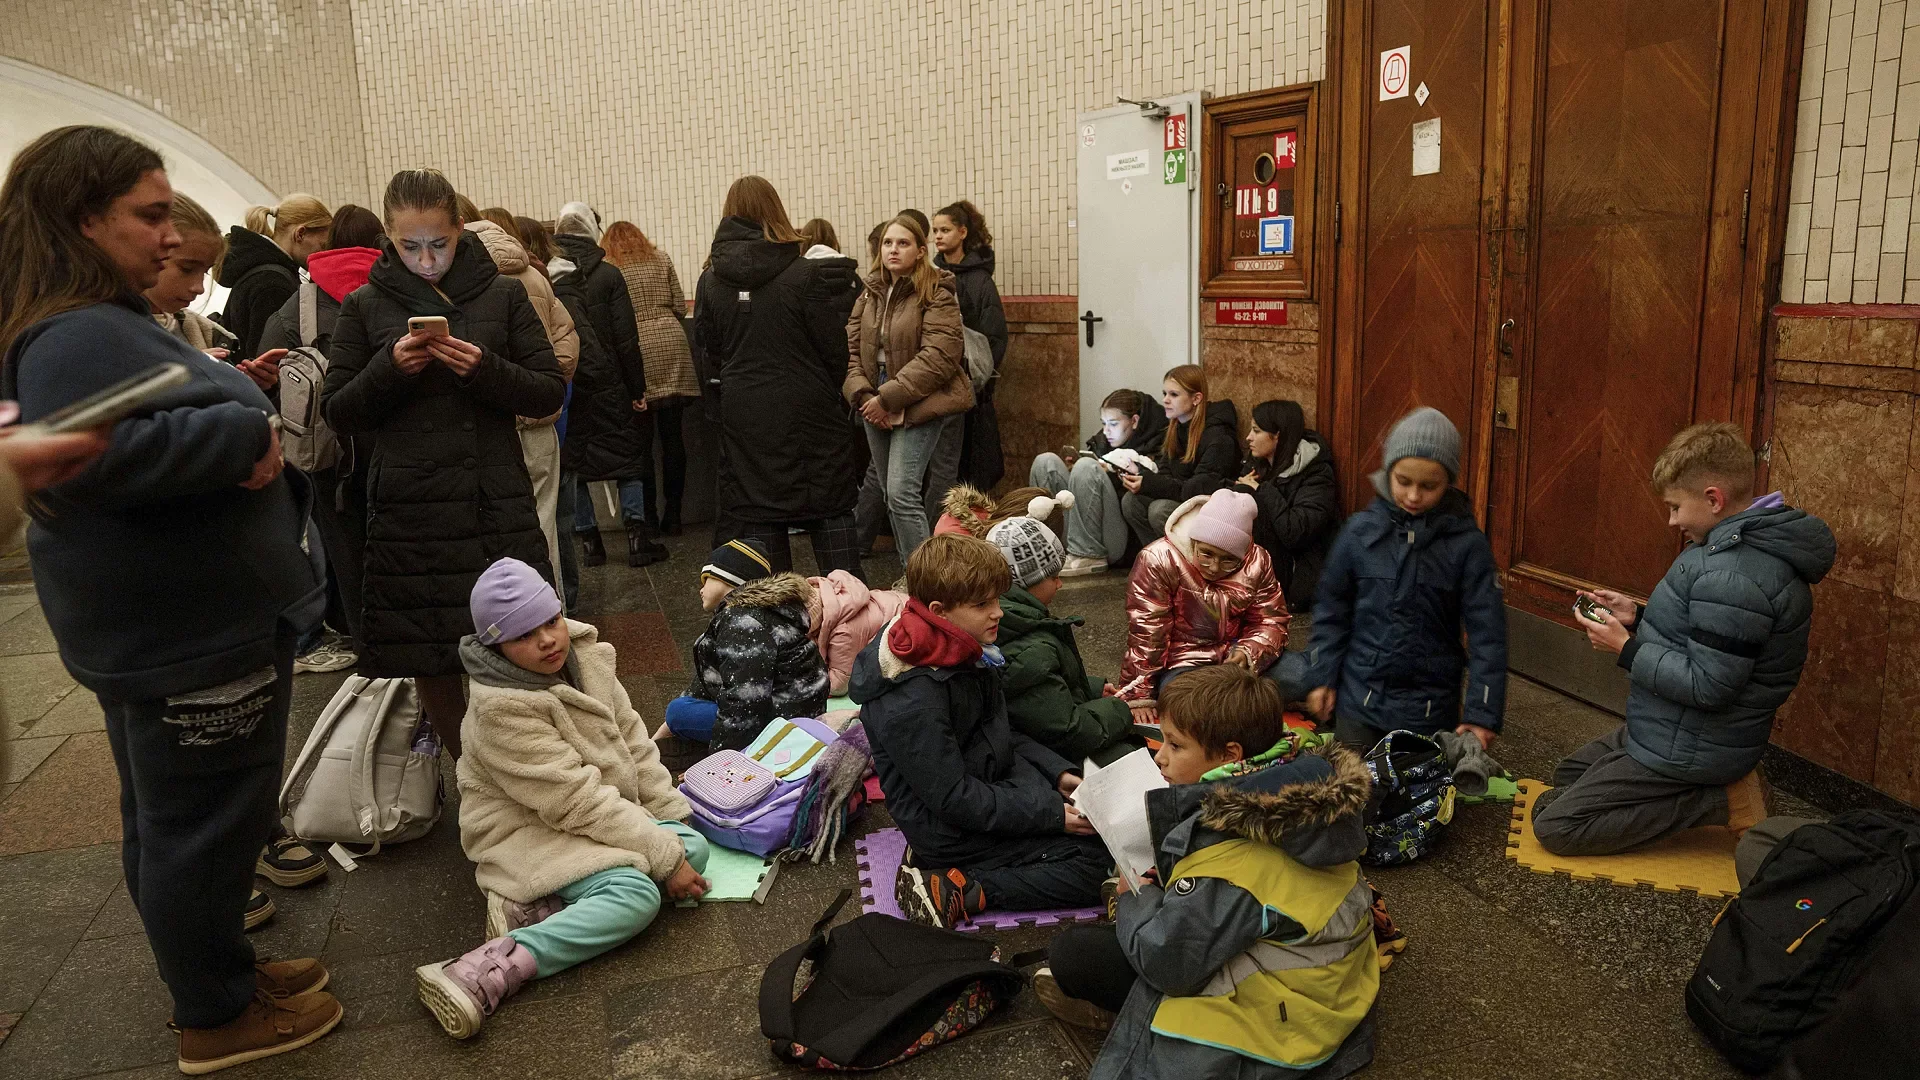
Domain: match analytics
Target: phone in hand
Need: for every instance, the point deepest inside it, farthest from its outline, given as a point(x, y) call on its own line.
point(115, 403)
point(1590, 611)
point(430, 325)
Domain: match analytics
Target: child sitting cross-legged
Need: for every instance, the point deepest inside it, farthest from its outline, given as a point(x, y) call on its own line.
point(573, 825)
point(1250, 951)
point(983, 807)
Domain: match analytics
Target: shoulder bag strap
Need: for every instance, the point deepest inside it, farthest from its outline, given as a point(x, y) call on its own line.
point(309, 313)
point(847, 1042)
point(776, 985)
point(303, 765)
point(366, 813)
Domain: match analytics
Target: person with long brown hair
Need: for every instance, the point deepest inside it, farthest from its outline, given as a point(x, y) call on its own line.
point(175, 573)
point(658, 306)
point(770, 343)
point(1199, 454)
point(970, 451)
point(906, 372)
point(262, 264)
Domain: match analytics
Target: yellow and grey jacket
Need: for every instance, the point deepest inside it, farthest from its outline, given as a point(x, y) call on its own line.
point(1256, 959)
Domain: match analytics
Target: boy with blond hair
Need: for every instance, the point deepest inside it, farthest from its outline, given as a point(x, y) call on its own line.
point(1716, 650)
point(983, 807)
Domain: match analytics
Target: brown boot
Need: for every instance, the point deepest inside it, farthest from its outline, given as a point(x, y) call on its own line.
point(290, 978)
point(1746, 802)
point(269, 1026)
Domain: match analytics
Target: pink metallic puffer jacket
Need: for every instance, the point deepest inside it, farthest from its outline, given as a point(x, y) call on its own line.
point(1176, 618)
point(843, 618)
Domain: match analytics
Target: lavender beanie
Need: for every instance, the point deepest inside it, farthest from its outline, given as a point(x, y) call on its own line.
point(509, 600)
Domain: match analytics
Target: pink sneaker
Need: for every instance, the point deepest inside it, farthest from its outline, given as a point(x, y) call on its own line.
point(464, 991)
point(504, 915)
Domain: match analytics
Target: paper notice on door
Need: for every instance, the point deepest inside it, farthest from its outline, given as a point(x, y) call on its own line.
point(1114, 799)
point(1131, 163)
point(1426, 147)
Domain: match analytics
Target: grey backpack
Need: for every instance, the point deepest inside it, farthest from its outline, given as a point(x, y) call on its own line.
point(305, 439)
point(370, 771)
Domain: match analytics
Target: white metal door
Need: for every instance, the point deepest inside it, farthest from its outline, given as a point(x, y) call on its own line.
point(1139, 259)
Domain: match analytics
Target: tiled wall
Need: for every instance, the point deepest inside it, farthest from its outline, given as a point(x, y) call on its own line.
point(1851, 232)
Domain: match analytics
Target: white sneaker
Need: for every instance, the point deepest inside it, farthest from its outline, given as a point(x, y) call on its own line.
point(324, 658)
point(1082, 566)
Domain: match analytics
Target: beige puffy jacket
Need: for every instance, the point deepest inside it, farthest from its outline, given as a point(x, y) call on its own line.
point(511, 259)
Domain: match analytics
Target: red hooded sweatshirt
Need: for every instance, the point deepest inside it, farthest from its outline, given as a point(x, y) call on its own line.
point(341, 270)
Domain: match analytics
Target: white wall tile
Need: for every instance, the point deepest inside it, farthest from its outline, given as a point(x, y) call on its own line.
point(1846, 223)
point(1854, 131)
point(1893, 233)
point(1873, 198)
point(1825, 195)
point(1796, 239)
point(1893, 266)
point(1852, 168)
point(1793, 278)
point(1886, 84)
point(1866, 255)
point(1819, 254)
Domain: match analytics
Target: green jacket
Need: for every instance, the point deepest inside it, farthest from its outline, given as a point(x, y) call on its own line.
point(1050, 699)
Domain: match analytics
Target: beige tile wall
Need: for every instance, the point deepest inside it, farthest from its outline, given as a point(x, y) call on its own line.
point(854, 108)
point(270, 82)
point(1851, 232)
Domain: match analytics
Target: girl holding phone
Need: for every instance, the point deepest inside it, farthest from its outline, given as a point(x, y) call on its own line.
point(447, 486)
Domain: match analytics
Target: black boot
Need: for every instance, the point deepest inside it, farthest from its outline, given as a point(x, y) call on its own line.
point(641, 549)
point(670, 521)
point(596, 548)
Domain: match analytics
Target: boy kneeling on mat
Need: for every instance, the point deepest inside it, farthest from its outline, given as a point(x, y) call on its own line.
point(574, 827)
point(983, 807)
point(1257, 957)
point(1717, 649)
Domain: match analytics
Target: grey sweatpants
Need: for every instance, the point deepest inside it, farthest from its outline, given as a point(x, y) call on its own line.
point(1147, 517)
point(1604, 802)
point(1095, 529)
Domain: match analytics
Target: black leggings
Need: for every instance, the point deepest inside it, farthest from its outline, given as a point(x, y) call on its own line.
point(673, 457)
point(1088, 964)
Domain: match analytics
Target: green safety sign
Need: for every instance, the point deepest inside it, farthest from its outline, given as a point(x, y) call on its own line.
point(1174, 169)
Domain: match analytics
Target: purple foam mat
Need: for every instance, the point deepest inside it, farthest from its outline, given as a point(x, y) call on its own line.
point(879, 855)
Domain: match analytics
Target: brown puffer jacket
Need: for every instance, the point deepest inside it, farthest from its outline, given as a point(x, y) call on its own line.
point(926, 354)
point(511, 259)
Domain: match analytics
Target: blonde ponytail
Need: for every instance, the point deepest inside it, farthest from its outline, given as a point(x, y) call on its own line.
point(260, 219)
point(295, 212)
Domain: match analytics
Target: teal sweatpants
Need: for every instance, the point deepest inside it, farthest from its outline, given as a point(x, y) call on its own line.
point(603, 910)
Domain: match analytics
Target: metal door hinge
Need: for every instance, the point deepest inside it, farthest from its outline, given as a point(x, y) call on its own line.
point(1336, 222)
point(1746, 214)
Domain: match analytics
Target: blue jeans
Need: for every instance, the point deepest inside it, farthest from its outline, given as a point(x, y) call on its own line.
point(604, 910)
point(901, 457)
point(692, 718)
point(633, 504)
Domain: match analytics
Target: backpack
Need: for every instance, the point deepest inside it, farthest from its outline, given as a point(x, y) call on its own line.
point(878, 990)
point(1412, 799)
point(979, 355)
point(1784, 950)
point(369, 772)
point(747, 799)
point(305, 439)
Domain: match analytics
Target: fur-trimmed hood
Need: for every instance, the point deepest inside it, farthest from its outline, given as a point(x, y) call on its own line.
point(787, 588)
point(966, 509)
point(1310, 807)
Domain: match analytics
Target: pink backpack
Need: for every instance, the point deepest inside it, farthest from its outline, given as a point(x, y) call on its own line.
point(746, 799)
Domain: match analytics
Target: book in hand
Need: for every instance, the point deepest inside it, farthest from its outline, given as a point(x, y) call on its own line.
point(1114, 800)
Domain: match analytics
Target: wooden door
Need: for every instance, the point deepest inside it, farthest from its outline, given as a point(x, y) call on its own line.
point(1632, 156)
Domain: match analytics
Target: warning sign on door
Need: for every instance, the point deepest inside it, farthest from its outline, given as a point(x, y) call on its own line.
point(1396, 72)
point(1276, 236)
point(1250, 312)
point(1131, 163)
point(1176, 132)
point(1286, 149)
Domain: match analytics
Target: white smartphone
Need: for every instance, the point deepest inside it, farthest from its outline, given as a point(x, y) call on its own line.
point(430, 325)
point(115, 403)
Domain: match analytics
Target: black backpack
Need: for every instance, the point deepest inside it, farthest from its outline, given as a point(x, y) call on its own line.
point(878, 990)
point(1411, 801)
point(1784, 950)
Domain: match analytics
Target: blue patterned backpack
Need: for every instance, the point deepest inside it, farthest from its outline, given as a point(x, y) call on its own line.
point(1412, 799)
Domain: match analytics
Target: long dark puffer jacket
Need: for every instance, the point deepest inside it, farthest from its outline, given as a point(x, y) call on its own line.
point(757, 663)
point(261, 277)
point(770, 329)
point(1215, 466)
point(606, 438)
point(982, 463)
point(1299, 504)
point(447, 488)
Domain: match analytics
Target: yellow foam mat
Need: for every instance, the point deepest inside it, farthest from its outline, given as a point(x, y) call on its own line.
point(1696, 860)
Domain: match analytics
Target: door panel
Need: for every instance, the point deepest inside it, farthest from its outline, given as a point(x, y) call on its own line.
point(1420, 276)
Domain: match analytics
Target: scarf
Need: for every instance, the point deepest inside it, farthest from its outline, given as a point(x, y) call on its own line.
point(835, 793)
point(1290, 746)
point(923, 639)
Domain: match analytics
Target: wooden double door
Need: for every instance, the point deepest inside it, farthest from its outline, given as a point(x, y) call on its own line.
point(1585, 273)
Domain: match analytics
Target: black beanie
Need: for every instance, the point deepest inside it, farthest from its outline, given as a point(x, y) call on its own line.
point(737, 562)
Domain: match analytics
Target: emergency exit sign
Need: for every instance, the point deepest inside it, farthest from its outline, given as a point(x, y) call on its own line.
point(1250, 312)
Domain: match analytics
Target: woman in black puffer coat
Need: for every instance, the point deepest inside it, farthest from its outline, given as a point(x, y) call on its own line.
point(965, 247)
point(609, 434)
point(447, 486)
point(1290, 476)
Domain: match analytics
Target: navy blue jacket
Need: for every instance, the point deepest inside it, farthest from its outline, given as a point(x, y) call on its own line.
point(158, 572)
point(959, 780)
point(1386, 624)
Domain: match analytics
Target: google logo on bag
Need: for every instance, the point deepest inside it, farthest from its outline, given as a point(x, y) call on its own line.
point(1804, 904)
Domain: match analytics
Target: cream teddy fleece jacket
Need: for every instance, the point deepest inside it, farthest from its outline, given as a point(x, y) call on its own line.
point(562, 781)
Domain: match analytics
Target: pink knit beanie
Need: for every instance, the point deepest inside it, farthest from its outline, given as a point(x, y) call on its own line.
point(1226, 522)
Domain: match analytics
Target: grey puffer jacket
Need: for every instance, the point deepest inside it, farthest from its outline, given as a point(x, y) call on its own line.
point(1721, 644)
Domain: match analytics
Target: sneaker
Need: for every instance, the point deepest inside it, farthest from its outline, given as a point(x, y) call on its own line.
point(1746, 802)
point(323, 658)
point(259, 910)
point(288, 862)
point(290, 978)
point(466, 990)
point(1068, 1009)
point(1388, 939)
point(939, 898)
point(1110, 897)
point(269, 1026)
point(1082, 566)
point(504, 915)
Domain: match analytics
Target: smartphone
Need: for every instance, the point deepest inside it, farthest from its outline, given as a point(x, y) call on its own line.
point(115, 403)
point(431, 325)
point(1588, 610)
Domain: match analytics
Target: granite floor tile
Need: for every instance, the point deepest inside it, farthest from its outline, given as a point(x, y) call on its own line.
point(33, 683)
point(78, 711)
point(683, 945)
point(117, 917)
point(412, 896)
point(106, 1009)
point(26, 754)
point(33, 946)
point(25, 631)
point(705, 1029)
point(72, 800)
point(560, 1038)
point(642, 641)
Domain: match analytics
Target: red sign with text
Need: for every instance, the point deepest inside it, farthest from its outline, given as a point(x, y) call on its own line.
point(1250, 312)
point(1176, 132)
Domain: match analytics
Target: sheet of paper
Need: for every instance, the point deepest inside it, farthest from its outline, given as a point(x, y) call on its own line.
point(1426, 147)
point(735, 876)
point(1114, 799)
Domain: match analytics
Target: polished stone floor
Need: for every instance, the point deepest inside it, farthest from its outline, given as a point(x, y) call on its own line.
point(1510, 974)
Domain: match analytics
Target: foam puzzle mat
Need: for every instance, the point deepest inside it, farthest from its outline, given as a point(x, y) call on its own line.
point(879, 854)
point(1697, 860)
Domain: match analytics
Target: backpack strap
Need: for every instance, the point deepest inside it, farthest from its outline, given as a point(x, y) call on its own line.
point(846, 1042)
point(776, 985)
point(360, 794)
point(303, 765)
point(309, 313)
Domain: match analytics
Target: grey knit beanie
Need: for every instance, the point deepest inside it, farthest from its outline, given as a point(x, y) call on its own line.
point(1032, 552)
point(1424, 433)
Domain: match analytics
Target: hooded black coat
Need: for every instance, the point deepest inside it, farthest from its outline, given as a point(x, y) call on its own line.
point(261, 277)
point(770, 329)
point(1146, 437)
point(982, 462)
point(1298, 499)
point(447, 488)
point(606, 438)
point(1215, 466)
